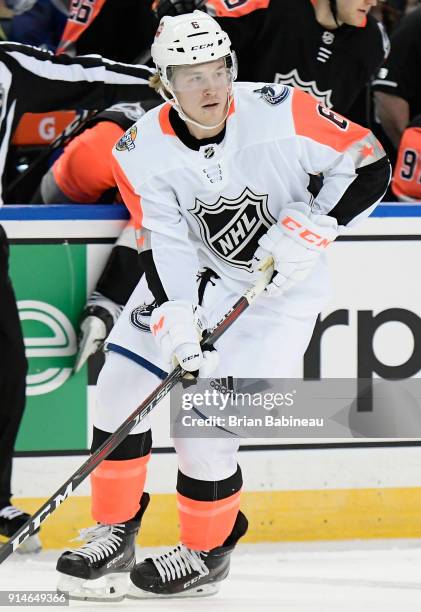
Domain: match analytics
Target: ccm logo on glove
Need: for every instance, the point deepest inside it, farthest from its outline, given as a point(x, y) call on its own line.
point(177, 327)
point(295, 243)
point(293, 225)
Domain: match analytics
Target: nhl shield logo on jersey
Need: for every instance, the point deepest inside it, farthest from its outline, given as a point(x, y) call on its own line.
point(273, 97)
point(126, 142)
point(209, 152)
point(140, 317)
point(232, 227)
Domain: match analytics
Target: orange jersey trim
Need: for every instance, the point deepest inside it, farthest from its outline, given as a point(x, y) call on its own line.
point(132, 201)
point(236, 8)
point(231, 110)
point(164, 120)
point(315, 121)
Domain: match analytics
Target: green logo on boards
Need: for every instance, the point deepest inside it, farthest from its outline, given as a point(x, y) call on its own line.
point(50, 286)
point(58, 340)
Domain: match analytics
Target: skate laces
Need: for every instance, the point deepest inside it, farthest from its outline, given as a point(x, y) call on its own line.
point(102, 541)
point(179, 562)
point(11, 512)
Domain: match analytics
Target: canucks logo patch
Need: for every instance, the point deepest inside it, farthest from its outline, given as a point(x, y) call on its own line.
point(271, 96)
point(140, 317)
point(126, 142)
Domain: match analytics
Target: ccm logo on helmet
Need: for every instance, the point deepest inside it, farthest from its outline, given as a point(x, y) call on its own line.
point(315, 239)
point(206, 46)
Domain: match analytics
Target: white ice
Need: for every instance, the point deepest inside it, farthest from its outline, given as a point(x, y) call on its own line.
point(381, 576)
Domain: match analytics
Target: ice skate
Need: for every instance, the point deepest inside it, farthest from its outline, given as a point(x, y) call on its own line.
point(11, 520)
point(182, 572)
point(99, 570)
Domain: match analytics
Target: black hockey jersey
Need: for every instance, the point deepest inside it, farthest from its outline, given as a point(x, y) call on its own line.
point(400, 76)
point(281, 41)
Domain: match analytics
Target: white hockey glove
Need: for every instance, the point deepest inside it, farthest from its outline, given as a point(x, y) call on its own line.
point(177, 327)
point(92, 334)
point(295, 243)
point(97, 321)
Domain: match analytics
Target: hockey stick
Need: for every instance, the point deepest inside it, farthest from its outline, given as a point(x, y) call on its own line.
point(137, 415)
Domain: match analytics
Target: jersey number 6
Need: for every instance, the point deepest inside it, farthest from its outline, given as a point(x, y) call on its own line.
point(328, 114)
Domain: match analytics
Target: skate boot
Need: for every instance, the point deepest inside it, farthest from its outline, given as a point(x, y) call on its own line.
point(11, 520)
point(182, 572)
point(108, 555)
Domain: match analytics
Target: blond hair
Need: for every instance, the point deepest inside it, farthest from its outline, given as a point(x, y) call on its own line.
point(156, 84)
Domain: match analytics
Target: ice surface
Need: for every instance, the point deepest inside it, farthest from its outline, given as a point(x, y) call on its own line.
point(381, 576)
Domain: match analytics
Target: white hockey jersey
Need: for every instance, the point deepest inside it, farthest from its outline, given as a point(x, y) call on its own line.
point(207, 206)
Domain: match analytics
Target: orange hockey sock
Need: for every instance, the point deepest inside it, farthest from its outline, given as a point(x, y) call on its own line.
point(206, 524)
point(117, 487)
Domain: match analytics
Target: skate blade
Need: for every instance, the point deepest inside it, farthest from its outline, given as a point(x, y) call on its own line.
point(204, 590)
point(114, 589)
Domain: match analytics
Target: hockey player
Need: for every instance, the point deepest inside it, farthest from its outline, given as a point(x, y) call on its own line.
point(53, 83)
point(398, 85)
point(406, 181)
point(328, 48)
point(216, 181)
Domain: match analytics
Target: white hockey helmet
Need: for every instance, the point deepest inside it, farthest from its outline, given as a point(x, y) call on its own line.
point(192, 38)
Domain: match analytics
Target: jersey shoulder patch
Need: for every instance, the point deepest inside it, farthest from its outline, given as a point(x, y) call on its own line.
point(273, 94)
point(127, 141)
point(145, 125)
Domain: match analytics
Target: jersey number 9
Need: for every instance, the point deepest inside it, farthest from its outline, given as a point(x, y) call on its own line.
point(409, 165)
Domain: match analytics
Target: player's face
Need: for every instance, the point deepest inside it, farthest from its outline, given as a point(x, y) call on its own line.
point(202, 91)
point(354, 12)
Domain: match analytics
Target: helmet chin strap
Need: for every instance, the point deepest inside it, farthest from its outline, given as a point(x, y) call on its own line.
point(175, 103)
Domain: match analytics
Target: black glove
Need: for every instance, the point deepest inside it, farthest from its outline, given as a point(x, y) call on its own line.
point(177, 7)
